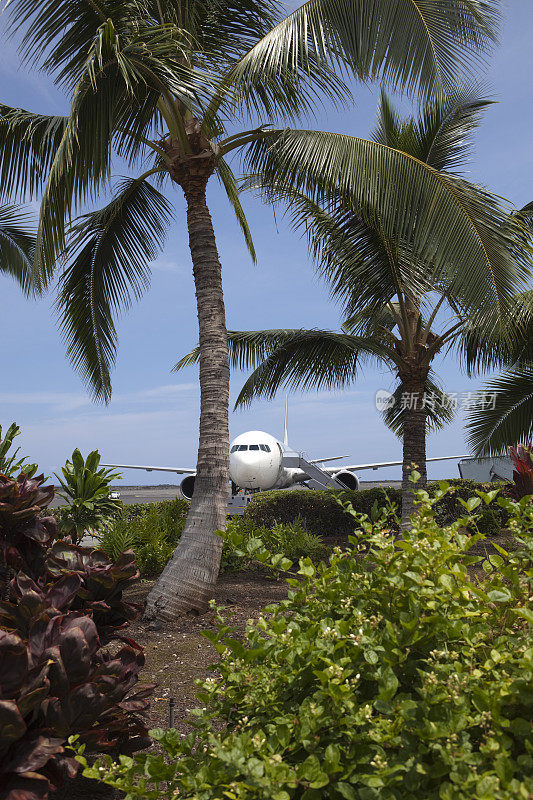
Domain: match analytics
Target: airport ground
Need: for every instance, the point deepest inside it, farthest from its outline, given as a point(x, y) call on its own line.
point(155, 494)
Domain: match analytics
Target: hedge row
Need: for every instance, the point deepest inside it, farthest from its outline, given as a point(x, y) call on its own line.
point(321, 514)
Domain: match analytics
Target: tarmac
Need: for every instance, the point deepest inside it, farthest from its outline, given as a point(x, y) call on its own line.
point(155, 494)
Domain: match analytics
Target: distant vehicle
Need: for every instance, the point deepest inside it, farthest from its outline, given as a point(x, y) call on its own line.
point(114, 495)
point(259, 461)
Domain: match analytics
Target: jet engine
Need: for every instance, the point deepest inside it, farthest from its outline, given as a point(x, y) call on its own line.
point(348, 479)
point(187, 487)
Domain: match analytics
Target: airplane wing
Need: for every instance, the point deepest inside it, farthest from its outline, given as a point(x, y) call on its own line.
point(179, 470)
point(323, 460)
point(356, 467)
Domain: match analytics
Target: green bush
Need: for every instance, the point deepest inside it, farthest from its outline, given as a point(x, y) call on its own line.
point(407, 681)
point(320, 513)
point(291, 539)
point(449, 508)
point(151, 530)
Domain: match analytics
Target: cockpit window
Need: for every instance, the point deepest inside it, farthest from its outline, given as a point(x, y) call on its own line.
point(239, 448)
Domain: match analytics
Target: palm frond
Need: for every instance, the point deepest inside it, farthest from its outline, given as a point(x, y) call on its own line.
point(456, 229)
point(112, 249)
point(57, 34)
point(119, 91)
point(17, 245)
point(408, 44)
point(505, 413)
point(227, 179)
point(441, 134)
point(218, 28)
point(28, 144)
point(303, 360)
point(439, 406)
point(445, 126)
point(246, 349)
point(496, 345)
point(363, 268)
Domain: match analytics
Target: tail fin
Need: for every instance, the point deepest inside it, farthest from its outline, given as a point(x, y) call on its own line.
point(286, 427)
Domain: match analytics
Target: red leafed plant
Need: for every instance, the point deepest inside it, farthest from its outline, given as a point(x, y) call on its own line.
point(55, 681)
point(61, 605)
point(522, 459)
point(24, 535)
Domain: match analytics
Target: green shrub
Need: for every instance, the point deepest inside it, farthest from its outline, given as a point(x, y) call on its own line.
point(151, 530)
point(291, 539)
point(407, 681)
point(320, 513)
point(449, 508)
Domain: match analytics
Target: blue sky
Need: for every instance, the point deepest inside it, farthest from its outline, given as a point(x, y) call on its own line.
point(153, 416)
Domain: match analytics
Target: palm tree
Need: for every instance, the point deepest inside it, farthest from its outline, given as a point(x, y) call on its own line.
point(409, 288)
point(17, 245)
point(170, 81)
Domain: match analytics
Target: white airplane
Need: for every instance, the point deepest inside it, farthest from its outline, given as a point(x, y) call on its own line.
point(259, 461)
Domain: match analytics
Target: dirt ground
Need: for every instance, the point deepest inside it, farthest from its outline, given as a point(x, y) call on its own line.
point(178, 654)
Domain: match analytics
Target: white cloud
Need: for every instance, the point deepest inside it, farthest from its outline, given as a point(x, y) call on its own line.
point(169, 391)
point(68, 401)
point(63, 401)
point(166, 265)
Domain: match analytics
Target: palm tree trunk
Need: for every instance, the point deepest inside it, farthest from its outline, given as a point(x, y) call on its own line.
point(188, 580)
point(414, 449)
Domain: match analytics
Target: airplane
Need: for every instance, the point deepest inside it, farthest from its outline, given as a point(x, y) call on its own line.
point(260, 462)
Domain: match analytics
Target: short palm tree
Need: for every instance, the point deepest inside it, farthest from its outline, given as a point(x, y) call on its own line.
point(409, 289)
point(170, 81)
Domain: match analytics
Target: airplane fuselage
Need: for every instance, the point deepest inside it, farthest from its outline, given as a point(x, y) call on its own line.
point(255, 462)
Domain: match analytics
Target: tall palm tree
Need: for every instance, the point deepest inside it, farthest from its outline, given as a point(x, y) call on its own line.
point(171, 80)
point(409, 288)
point(17, 245)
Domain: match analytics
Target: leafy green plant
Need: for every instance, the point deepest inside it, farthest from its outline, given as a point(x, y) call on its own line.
point(318, 511)
point(10, 463)
point(86, 487)
point(151, 530)
point(407, 680)
point(289, 538)
point(522, 459)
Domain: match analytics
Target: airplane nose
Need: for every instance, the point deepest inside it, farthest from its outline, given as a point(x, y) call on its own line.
point(243, 468)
